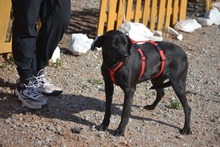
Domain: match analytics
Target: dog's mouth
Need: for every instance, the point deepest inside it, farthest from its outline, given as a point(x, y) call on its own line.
point(114, 57)
point(121, 57)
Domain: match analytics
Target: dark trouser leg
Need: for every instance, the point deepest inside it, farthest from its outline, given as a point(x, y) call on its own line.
point(24, 36)
point(30, 56)
point(55, 17)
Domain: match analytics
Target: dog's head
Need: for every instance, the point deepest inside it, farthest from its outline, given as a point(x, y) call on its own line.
point(115, 45)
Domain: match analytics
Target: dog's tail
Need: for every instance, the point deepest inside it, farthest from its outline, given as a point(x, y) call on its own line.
point(167, 84)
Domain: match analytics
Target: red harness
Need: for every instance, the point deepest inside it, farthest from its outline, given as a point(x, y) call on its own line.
point(143, 58)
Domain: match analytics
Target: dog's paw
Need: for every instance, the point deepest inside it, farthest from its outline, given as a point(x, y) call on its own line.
point(118, 132)
point(149, 107)
point(101, 127)
point(185, 131)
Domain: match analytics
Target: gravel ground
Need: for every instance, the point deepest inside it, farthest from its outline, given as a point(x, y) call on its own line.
point(70, 118)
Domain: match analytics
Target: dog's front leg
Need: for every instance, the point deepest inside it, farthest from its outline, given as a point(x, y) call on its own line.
point(109, 88)
point(128, 99)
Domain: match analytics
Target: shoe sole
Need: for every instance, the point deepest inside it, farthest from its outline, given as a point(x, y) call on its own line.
point(36, 107)
point(54, 93)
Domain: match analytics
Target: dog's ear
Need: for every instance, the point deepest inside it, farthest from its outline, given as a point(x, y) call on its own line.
point(129, 43)
point(98, 42)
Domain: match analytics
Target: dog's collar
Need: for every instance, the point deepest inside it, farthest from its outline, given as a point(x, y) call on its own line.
point(143, 59)
point(112, 71)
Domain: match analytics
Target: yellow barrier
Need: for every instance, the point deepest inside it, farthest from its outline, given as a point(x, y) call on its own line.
point(155, 14)
point(5, 36)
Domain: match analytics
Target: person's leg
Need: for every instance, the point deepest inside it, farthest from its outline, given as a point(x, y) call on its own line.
point(24, 51)
point(25, 13)
point(55, 17)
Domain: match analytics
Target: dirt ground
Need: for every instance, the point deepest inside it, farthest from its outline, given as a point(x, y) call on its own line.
point(70, 118)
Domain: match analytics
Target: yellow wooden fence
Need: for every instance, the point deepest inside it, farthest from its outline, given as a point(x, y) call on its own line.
point(155, 14)
point(5, 36)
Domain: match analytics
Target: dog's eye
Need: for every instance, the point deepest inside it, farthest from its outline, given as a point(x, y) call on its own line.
point(124, 43)
point(116, 43)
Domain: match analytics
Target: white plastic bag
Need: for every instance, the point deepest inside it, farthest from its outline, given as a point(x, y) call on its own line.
point(187, 25)
point(138, 31)
point(56, 55)
point(214, 15)
point(80, 44)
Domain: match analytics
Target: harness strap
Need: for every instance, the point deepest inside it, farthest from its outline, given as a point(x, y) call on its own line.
point(143, 58)
point(112, 71)
point(160, 51)
point(162, 56)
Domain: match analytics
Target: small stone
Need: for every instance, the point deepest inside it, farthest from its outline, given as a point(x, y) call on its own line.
point(76, 130)
point(179, 136)
point(92, 128)
point(101, 134)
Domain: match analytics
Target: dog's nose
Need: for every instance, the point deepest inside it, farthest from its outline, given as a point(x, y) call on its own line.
point(126, 55)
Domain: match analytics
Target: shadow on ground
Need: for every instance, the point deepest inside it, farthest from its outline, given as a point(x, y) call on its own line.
point(64, 107)
point(85, 21)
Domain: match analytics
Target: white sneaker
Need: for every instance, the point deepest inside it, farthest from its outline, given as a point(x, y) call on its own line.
point(45, 87)
point(29, 95)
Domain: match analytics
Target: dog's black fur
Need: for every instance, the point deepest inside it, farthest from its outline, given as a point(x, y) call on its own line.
point(117, 47)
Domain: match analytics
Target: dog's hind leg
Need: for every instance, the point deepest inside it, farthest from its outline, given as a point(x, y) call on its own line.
point(160, 93)
point(180, 92)
point(179, 87)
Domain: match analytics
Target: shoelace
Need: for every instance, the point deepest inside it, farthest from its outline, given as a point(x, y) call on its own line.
point(32, 90)
point(40, 81)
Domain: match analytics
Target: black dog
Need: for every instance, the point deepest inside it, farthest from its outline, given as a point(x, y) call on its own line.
point(123, 65)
